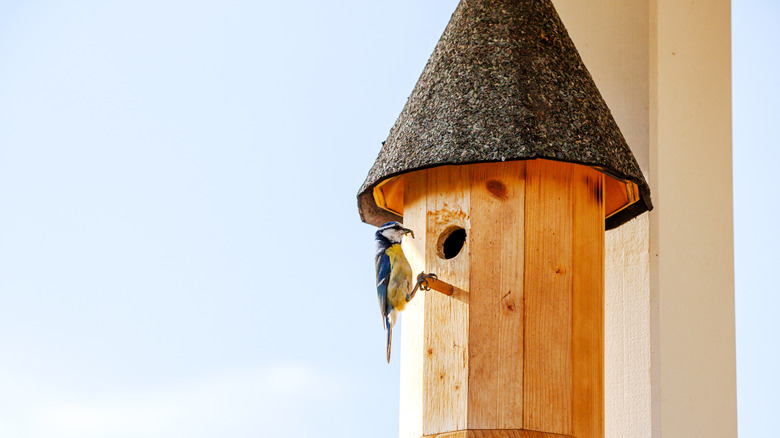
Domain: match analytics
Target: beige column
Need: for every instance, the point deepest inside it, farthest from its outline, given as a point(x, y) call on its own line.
point(691, 232)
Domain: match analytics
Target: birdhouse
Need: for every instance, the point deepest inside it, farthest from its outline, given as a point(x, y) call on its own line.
point(508, 166)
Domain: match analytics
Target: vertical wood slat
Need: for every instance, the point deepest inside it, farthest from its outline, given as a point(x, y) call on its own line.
point(548, 298)
point(412, 325)
point(512, 302)
point(445, 378)
point(588, 303)
point(496, 296)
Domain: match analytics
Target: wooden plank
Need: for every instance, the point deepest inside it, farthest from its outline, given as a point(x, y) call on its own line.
point(588, 303)
point(547, 288)
point(496, 296)
point(412, 318)
point(618, 195)
point(497, 433)
point(445, 377)
point(485, 295)
point(512, 309)
point(389, 195)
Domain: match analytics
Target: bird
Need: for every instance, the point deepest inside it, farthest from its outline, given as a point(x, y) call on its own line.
point(393, 276)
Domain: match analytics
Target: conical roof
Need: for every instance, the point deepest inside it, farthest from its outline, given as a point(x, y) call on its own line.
point(505, 82)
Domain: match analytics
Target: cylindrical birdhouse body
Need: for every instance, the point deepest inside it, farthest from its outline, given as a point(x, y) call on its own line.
point(523, 350)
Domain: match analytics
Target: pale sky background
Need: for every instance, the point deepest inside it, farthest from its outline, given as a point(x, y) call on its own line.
point(180, 251)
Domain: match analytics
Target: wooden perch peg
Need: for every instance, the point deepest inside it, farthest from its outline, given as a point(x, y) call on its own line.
point(432, 282)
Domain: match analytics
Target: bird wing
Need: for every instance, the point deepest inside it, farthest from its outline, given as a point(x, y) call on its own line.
point(382, 279)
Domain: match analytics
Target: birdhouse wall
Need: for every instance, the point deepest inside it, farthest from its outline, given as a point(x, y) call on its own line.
point(523, 351)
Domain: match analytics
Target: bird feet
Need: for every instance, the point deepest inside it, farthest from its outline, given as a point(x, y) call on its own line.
point(422, 280)
point(422, 283)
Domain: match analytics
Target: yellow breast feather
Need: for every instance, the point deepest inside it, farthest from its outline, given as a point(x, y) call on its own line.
point(400, 284)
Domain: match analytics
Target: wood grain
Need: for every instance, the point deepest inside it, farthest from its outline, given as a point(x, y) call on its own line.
point(412, 318)
point(497, 433)
point(496, 296)
point(389, 194)
point(445, 378)
point(588, 303)
point(618, 195)
point(548, 298)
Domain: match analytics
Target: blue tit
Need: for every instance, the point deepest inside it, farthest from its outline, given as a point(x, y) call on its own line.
point(393, 275)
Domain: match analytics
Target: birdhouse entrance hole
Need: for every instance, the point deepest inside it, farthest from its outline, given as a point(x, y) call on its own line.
point(451, 242)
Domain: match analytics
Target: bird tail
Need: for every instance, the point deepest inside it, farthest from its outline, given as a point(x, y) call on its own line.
point(389, 330)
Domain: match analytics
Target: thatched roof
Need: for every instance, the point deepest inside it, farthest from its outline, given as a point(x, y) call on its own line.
point(505, 82)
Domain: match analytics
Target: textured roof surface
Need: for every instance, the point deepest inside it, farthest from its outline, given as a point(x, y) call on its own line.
point(505, 82)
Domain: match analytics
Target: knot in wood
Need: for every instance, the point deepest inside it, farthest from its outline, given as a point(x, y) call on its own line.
point(496, 188)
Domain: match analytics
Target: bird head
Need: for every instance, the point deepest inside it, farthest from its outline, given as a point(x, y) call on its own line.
point(393, 231)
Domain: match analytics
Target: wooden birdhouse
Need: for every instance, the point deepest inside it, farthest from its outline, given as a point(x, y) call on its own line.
point(508, 166)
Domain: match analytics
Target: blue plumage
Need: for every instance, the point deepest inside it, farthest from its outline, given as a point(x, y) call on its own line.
point(382, 278)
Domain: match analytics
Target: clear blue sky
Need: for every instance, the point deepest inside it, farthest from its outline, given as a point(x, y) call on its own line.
point(756, 93)
point(180, 252)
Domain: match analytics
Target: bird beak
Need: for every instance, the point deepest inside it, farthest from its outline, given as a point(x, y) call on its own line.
point(408, 231)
